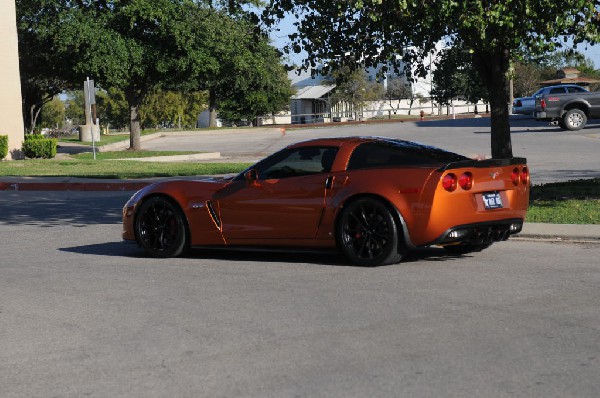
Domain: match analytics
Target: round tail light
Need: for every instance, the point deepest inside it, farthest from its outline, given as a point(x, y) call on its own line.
point(466, 181)
point(514, 176)
point(449, 182)
point(525, 175)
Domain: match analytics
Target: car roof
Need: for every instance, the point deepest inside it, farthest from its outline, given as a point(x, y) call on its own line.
point(338, 142)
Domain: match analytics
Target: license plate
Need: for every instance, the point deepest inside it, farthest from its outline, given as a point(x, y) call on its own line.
point(492, 200)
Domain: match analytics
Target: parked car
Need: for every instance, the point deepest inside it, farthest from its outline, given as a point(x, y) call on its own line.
point(372, 198)
point(526, 105)
point(570, 111)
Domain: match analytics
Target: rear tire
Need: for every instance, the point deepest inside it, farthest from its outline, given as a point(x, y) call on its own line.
point(367, 233)
point(160, 228)
point(575, 119)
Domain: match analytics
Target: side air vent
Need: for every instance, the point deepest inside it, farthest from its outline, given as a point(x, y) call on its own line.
point(213, 213)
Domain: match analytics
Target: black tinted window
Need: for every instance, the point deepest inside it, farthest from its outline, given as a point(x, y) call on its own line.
point(576, 89)
point(398, 153)
point(557, 90)
point(297, 162)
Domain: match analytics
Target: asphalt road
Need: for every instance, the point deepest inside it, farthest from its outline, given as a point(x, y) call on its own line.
point(553, 154)
point(82, 314)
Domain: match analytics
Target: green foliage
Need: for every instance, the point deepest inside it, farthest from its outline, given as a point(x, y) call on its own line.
point(456, 77)
point(34, 137)
point(35, 148)
point(53, 114)
point(3, 146)
point(241, 71)
point(354, 88)
point(74, 107)
point(371, 32)
point(45, 66)
point(173, 109)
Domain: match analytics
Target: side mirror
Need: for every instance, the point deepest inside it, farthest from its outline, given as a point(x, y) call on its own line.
point(251, 175)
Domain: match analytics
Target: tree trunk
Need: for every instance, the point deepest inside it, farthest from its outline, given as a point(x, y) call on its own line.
point(135, 143)
point(212, 108)
point(134, 98)
point(34, 113)
point(493, 67)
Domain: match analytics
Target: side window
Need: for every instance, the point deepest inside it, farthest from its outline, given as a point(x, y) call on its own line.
point(575, 89)
point(373, 155)
point(557, 90)
point(297, 162)
point(398, 153)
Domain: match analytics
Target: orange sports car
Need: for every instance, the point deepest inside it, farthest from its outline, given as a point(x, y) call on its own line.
point(374, 199)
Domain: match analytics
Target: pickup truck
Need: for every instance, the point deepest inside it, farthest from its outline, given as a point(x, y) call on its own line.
point(570, 110)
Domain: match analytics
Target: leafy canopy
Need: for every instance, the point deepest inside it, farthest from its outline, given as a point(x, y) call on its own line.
point(369, 32)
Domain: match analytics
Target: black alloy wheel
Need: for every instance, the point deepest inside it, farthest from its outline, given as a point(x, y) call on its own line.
point(367, 234)
point(160, 228)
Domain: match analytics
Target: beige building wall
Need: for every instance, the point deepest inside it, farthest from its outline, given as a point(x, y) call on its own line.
point(11, 117)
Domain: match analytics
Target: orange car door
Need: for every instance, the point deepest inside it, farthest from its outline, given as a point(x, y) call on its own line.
point(286, 208)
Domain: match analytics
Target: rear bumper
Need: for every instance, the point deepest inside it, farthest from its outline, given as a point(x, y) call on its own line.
point(480, 233)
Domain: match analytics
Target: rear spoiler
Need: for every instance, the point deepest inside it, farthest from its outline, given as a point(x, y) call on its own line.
point(483, 163)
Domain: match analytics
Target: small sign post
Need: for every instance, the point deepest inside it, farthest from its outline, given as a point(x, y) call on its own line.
point(90, 109)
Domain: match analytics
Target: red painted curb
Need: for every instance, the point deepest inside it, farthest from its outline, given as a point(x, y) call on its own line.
point(72, 186)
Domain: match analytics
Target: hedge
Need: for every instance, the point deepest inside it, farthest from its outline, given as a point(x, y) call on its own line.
point(34, 147)
point(29, 137)
point(3, 146)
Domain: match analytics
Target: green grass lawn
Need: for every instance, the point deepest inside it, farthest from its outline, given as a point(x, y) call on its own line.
point(125, 169)
point(572, 202)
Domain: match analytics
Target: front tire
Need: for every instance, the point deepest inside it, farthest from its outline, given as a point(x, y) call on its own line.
point(367, 233)
point(160, 228)
point(574, 119)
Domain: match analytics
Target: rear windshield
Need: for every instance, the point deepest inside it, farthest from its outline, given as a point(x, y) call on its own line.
point(398, 153)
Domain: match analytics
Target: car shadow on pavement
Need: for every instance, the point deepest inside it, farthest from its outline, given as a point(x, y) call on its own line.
point(333, 258)
point(61, 209)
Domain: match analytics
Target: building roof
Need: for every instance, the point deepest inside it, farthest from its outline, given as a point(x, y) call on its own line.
point(582, 81)
point(570, 76)
point(312, 92)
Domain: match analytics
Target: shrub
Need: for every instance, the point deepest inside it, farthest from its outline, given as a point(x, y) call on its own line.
point(3, 146)
point(39, 147)
point(30, 137)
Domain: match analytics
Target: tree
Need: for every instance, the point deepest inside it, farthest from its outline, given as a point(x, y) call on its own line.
point(244, 75)
point(135, 46)
point(53, 114)
point(397, 90)
point(45, 69)
point(374, 31)
point(527, 78)
point(353, 88)
point(173, 109)
point(455, 76)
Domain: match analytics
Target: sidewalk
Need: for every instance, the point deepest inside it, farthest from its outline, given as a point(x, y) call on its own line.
point(538, 231)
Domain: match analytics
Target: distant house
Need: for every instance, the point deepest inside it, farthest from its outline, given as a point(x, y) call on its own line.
point(311, 104)
point(569, 76)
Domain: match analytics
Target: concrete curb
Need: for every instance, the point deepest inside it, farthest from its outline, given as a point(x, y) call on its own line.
point(558, 232)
